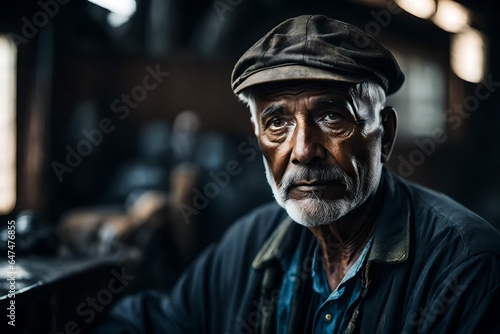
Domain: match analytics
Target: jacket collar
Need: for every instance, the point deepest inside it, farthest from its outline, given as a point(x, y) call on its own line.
point(391, 239)
point(276, 246)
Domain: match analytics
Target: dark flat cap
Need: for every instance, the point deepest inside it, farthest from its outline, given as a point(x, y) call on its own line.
point(315, 47)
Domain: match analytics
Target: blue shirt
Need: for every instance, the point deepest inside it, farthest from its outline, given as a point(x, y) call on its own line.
point(335, 310)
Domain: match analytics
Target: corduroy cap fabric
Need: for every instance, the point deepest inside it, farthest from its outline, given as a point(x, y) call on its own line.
point(316, 47)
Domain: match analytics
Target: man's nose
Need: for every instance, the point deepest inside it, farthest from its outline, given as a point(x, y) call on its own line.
point(307, 144)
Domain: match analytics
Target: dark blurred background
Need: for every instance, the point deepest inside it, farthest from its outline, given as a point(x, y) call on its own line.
point(123, 145)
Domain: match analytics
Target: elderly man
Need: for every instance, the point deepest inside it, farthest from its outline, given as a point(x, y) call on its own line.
point(350, 247)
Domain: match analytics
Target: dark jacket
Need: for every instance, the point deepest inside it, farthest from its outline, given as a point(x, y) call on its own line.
point(434, 267)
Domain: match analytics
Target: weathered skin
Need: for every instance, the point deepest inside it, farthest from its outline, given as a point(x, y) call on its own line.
point(316, 124)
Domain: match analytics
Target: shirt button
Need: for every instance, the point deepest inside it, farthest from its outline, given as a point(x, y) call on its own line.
point(328, 317)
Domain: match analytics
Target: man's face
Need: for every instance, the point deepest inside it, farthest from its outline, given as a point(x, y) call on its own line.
point(322, 146)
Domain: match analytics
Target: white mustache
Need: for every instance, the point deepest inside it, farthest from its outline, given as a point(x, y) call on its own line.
point(317, 174)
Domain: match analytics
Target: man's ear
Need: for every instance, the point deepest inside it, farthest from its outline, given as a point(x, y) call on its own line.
point(389, 119)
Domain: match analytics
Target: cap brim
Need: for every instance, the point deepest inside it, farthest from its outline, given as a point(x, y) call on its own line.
point(294, 72)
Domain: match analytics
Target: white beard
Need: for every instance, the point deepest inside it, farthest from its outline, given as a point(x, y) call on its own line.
point(309, 211)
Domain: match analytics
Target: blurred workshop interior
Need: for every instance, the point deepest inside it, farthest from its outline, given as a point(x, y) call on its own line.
point(123, 146)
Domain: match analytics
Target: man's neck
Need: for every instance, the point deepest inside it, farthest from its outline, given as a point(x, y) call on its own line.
point(343, 241)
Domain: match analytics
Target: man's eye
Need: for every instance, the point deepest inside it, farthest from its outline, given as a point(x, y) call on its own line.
point(333, 117)
point(277, 122)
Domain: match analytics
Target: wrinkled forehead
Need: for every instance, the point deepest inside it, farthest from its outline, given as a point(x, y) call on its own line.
point(357, 95)
point(277, 90)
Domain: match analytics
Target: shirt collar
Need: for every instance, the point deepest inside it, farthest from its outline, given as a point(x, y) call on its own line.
point(318, 274)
